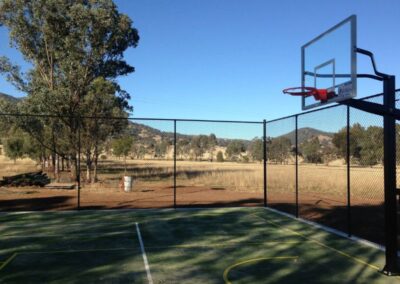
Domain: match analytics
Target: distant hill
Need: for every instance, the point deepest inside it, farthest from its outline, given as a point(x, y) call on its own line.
point(307, 133)
point(149, 134)
point(9, 98)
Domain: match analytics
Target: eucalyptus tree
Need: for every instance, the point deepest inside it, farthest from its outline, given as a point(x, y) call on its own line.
point(67, 45)
point(106, 118)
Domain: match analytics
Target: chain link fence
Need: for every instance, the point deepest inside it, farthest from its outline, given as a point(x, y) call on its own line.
point(219, 164)
point(322, 167)
point(281, 164)
point(325, 165)
point(338, 172)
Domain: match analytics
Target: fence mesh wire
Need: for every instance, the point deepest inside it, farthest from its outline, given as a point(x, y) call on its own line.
point(133, 167)
point(35, 164)
point(219, 164)
point(281, 167)
point(367, 181)
point(322, 167)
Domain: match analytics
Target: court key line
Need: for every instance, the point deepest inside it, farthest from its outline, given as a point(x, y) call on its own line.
point(14, 255)
point(229, 268)
point(146, 263)
point(47, 224)
point(356, 259)
point(89, 235)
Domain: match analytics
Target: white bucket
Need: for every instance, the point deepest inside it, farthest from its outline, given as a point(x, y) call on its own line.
point(128, 182)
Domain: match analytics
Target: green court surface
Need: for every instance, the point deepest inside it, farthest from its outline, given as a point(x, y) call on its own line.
point(247, 245)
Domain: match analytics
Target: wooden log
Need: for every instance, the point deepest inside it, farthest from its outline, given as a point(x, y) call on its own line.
point(26, 179)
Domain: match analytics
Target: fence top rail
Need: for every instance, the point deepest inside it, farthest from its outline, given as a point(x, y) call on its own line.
point(322, 108)
point(131, 118)
point(199, 120)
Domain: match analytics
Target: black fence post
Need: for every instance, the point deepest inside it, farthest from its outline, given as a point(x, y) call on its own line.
point(174, 163)
point(265, 160)
point(349, 221)
point(297, 165)
point(78, 169)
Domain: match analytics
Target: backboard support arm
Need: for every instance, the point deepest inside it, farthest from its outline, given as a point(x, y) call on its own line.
point(390, 115)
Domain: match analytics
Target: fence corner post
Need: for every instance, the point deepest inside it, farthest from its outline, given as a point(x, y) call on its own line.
point(265, 160)
point(297, 164)
point(174, 163)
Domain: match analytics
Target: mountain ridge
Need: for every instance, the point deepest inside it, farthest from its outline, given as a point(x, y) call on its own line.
point(145, 131)
point(9, 98)
point(305, 134)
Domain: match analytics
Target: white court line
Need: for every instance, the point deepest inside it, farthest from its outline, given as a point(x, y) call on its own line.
point(331, 230)
point(146, 263)
point(42, 224)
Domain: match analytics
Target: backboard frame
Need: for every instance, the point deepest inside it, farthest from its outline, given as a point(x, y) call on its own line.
point(352, 20)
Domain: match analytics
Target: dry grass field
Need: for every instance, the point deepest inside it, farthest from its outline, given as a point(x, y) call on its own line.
point(324, 181)
point(318, 180)
point(202, 183)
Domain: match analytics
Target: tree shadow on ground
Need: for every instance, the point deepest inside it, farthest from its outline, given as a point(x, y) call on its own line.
point(39, 203)
point(164, 231)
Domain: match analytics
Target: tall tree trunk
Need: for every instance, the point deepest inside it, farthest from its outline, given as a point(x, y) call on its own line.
point(88, 165)
point(54, 156)
point(42, 162)
point(57, 168)
point(125, 165)
point(75, 170)
point(95, 162)
point(53, 165)
point(72, 167)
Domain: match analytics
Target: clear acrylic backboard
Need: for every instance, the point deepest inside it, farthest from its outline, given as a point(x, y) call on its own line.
point(329, 62)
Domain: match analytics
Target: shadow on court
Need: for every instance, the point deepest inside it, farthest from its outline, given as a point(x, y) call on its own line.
point(182, 246)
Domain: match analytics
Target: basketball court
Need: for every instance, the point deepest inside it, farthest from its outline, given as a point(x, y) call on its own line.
point(237, 245)
point(230, 245)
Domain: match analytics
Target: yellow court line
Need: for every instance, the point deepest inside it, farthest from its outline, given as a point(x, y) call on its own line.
point(4, 264)
point(48, 225)
point(8, 260)
point(356, 259)
point(229, 268)
point(222, 245)
point(74, 251)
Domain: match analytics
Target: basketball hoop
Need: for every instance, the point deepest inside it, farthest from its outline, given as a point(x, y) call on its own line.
point(322, 95)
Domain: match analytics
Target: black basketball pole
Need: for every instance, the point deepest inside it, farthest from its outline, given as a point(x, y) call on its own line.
point(389, 142)
point(390, 114)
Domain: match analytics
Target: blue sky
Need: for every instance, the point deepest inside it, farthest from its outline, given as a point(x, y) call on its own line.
point(230, 59)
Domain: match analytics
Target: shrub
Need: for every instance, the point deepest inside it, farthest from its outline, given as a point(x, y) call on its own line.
point(220, 157)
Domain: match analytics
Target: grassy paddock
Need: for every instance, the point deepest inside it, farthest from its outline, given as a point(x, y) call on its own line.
point(329, 181)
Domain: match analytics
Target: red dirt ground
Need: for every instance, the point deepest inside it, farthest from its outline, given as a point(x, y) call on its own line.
point(367, 217)
point(13, 199)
